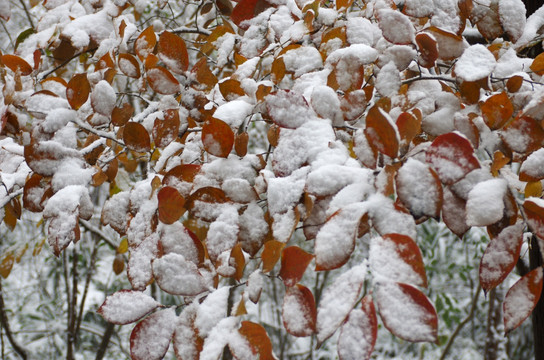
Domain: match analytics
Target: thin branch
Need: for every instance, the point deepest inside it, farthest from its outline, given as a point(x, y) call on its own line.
point(462, 323)
point(417, 78)
point(27, 14)
point(100, 133)
point(186, 30)
point(66, 62)
point(10, 197)
point(5, 325)
point(7, 33)
point(87, 283)
point(90, 227)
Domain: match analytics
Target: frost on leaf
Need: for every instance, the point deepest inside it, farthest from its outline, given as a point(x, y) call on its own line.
point(187, 343)
point(288, 109)
point(338, 300)
point(534, 210)
point(335, 241)
point(299, 311)
point(406, 312)
point(177, 276)
point(358, 334)
point(382, 132)
point(476, 63)
point(127, 306)
point(500, 256)
point(150, 339)
point(452, 156)
point(419, 189)
point(397, 257)
point(396, 27)
point(103, 98)
point(454, 213)
point(523, 135)
point(521, 299)
point(532, 169)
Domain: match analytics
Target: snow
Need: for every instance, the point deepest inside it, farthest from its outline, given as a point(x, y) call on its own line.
point(388, 80)
point(418, 189)
point(233, 112)
point(284, 193)
point(151, 338)
point(521, 299)
point(386, 219)
point(56, 119)
point(326, 104)
point(512, 17)
point(218, 338)
point(360, 30)
point(338, 300)
point(297, 315)
point(396, 27)
point(356, 341)
point(476, 63)
point(212, 310)
point(534, 164)
point(302, 60)
point(255, 283)
point(485, 204)
point(288, 109)
point(81, 30)
point(127, 306)
point(175, 238)
point(223, 232)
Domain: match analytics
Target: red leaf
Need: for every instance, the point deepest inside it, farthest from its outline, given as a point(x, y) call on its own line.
point(294, 262)
point(170, 205)
point(246, 10)
point(258, 339)
point(358, 334)
point(406, 312)
point(145, 43)
point(271, 254)
point(452, 156)
point(521, 299)
point(500, 256)
point(150, 339)
point(399, 258)
point(136, 137)
point(299, 311)
point(217, 137)
point(121, 115)
point(173, 52)
point(419, 189)
point(382, 132)
point(77, 90)
point(127, 306)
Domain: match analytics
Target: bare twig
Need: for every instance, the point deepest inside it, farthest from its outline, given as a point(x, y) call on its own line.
point(462, 323)
point(65, 62)
point(418, 78)
point(90, 227)
point(27, 14)
point(5, 326)
point(10, 197)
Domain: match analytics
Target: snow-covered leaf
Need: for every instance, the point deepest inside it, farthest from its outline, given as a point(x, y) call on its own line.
point(382, 132)
point(338, 300)
point(500, 256)
point(419, 189)
point(523, 135)
point(454, 213)
point(521, 299)
point(452, 156)
point(476, 63)
point(162, 81)
point(406, 312)
point(177, 276)
point(258, 339)
point(397, 257)
point(173, 52)
point(485, 204)
point(497, 110)
point(150, 339)
point(126, 306)
point(358, 334)
point(145, 43)
point(532, 169)
point(396, 27)
point(136, 137)
point(534, 211)
point(299, 312)
point(187, 343)
point(512, 18)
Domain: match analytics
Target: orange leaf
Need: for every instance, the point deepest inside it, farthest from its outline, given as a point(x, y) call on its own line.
point(452, 156)
point(537, 66)
point(240, 143)
point(16, 64)
point(217, 137)
point(271, 254)
point(500, 256)
point(409, 126)
point(237, 255)
point(428, 49)
point(129, 65)
point(203, 74)
point(145, 43)
point(6, 265)
point(299, 312)
point(170, 205)
point(523, 135)
point(521, 299)
point(77, 90)
point(294, 262)
point(381, 132)
point(162, 81)
point(183, 172)
point(246, 10)
point(258, 340)
point(231, 89)
point(534, 211)
point(32, 193)
point(514, 83)
point(173, 52)
point(136, 137)
point(497, 110)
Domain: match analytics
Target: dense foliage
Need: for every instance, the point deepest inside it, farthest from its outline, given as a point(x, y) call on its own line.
point(236, 147)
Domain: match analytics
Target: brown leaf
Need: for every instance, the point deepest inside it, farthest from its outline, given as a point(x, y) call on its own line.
point(78, 90)
point(240, 143)
point(16, 64)
point(162, 81)
point(217, 137)
point(428, 49)
point(203, 74)
point(381, 132)
point(165, 131)
point(173, 52)
point(121, 115)
point(271, 254)
point(170, 205)
point(258, 340)
point(514, 83)
point(129, 65)
point(231, 89)
point(136, 137)
point(145, 43)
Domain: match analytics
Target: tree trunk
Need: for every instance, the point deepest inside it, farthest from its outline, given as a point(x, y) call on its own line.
point(535, 258)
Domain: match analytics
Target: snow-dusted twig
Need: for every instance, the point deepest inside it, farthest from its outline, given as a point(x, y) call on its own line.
point(10, 197)
point(90, 227)
point(5, 325)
